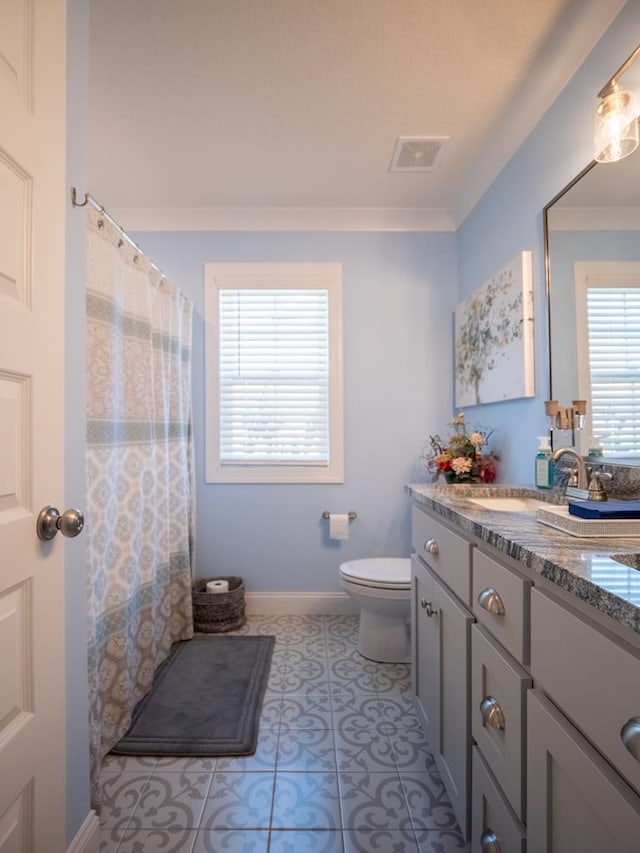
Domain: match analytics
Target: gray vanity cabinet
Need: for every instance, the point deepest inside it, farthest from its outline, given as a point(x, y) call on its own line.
point(441, 655)
point(576, 801)
point(592, 678)
point(589, 687)
point(531, 701)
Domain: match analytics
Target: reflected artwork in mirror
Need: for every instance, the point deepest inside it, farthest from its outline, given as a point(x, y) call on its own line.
point(592, 235)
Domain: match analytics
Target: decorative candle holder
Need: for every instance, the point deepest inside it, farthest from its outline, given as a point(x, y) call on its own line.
point(551, 408)
point(579, 413)
point(571, 417)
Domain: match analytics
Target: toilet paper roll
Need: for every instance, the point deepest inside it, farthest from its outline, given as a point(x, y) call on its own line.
point(217, 586)
point(338, 525)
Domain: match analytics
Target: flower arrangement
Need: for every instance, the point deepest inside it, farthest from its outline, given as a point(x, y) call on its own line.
point(464, 458)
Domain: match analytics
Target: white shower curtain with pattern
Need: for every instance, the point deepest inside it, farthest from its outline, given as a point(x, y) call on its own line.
point(140, 505)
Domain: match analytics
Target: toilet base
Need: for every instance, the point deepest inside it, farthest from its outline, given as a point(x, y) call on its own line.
point(384, 639)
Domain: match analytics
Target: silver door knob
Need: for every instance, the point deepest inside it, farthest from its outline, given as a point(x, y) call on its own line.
point(70, 523)
point(426, 605)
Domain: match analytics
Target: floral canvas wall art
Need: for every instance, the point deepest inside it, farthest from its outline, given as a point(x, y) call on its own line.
point(494, 338)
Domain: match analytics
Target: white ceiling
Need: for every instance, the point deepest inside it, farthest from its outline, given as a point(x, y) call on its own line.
point(285, 113)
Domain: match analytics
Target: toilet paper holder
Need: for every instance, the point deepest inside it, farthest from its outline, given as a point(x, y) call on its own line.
point(326, 514)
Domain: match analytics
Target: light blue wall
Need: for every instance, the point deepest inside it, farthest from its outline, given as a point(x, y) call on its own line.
point(508, 220)
point(399, 290)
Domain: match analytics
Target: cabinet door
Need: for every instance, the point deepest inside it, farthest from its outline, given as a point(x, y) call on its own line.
point(452, 734)
point(423, 633)
point(492, 817)
point(599, 704)
point(575, 801)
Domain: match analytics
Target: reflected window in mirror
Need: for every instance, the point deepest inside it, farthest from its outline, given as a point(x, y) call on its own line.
point(608, 347)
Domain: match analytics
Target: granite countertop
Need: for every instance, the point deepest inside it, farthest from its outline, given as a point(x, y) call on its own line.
point(582, 566)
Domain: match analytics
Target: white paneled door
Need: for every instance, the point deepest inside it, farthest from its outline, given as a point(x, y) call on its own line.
point(32, 214)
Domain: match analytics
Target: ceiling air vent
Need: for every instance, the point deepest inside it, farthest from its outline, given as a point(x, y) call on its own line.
point(417, 153)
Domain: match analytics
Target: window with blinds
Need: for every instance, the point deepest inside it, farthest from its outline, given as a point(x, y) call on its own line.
point(274, 385)
point(613, 330)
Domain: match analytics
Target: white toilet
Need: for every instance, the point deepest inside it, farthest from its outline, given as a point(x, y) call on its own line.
point(382, 588)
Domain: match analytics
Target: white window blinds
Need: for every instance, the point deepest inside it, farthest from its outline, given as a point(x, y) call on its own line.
point(274, 376)
point(613, 320)
point(273, 351)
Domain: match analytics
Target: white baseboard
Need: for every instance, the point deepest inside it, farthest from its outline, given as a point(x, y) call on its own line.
point(87, 838)
point(299, 604)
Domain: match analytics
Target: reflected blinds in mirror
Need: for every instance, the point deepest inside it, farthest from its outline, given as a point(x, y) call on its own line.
point(611, 325)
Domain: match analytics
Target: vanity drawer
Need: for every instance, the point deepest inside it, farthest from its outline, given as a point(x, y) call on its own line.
point(501, 603)
point(443, 551)
point(491, 814)
point(593, 679)
point(498, 699)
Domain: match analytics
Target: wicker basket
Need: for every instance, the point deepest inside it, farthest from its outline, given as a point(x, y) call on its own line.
point(218, 612)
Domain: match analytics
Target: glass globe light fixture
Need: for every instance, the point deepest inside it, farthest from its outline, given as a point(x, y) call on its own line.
point(616, 127)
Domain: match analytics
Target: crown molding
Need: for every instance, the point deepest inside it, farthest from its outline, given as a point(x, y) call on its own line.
point(283, 219)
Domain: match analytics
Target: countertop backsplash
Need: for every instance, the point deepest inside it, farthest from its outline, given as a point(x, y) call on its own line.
point(625, 482)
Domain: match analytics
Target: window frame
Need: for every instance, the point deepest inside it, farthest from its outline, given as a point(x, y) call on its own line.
point(273, 276)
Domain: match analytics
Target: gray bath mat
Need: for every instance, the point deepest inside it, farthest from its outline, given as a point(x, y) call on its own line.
point(205, 700)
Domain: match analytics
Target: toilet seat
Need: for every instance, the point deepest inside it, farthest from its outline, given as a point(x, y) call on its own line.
point(379, 572)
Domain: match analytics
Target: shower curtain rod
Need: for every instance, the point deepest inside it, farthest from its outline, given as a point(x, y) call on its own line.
point(89, 199)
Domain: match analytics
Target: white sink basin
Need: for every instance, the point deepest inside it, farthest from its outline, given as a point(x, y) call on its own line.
point(507, 504)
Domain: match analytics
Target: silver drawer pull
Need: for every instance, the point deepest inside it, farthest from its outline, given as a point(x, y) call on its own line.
point(492, 713)
point(630, 736)
point(491, 601)
point(431, 545)
point(490, 843)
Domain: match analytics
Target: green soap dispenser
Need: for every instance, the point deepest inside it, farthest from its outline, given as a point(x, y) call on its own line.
point(544, 464)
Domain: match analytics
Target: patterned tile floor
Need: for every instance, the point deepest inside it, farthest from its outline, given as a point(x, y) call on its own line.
point(342, 765)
